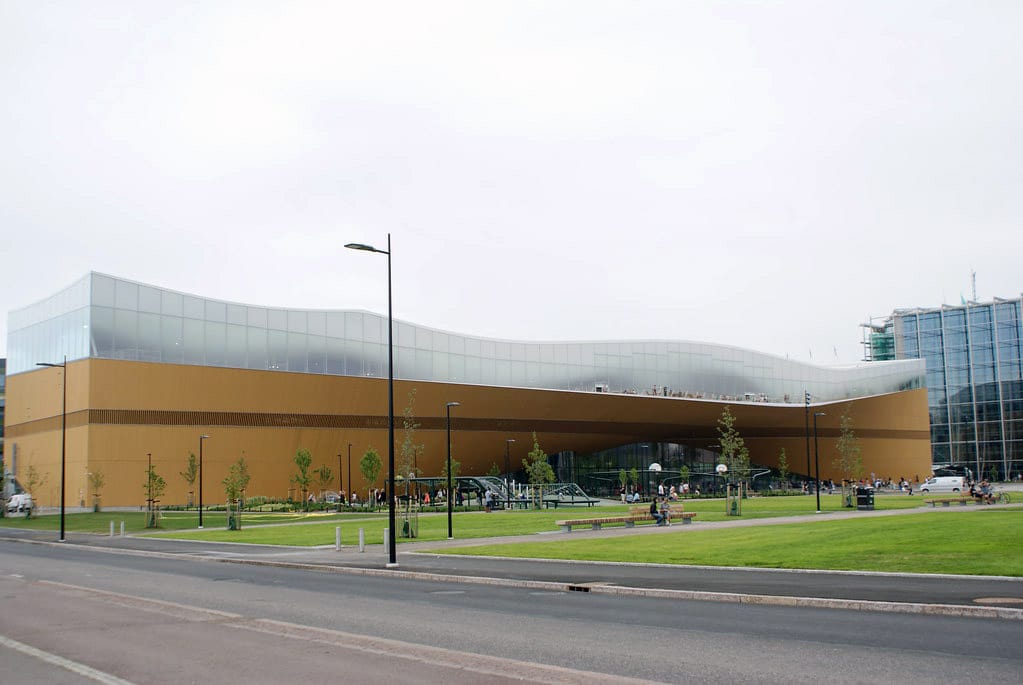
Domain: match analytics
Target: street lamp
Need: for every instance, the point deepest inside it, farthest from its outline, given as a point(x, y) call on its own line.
point(816, 458)
point(806, 417)
point(340, 482)
point(392, 550)
point(349, 472)
point(201, 438)
point(63, 435)
point(447, 407)
point(507, 470)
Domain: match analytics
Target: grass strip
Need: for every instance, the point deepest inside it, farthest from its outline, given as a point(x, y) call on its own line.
point(972, 542)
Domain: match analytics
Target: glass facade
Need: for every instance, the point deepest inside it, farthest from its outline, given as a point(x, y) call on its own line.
point(974, 375)
point(110, 318)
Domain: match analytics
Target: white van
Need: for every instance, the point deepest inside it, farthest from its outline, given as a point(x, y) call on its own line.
point(942, 484)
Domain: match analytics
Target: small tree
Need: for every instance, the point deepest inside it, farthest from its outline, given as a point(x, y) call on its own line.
point(407, 457)
point(683, 474)
point(190, 474)
point(33, 480)
point(96, 483)
point(303, 460)
point(495, 471)
point(849, 461)
point(623, 481)
point(370, 466)
point(734, 453)
point(234, 488)
point(324, 477)
point(634, 475)
point(538, 471)
point(456, 467)
point(154, 488)
point(783, 469)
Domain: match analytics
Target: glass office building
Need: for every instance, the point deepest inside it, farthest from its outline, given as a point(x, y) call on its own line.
point(974, 372)
point(104, 317)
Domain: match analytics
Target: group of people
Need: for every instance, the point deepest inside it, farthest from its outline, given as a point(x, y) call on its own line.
point(660, 511)
point(983, 492)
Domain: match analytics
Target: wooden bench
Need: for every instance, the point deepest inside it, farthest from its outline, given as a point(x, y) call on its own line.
point(675, 512)
point(947, 501)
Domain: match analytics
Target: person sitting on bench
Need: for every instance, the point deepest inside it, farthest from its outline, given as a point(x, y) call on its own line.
point(654, 514)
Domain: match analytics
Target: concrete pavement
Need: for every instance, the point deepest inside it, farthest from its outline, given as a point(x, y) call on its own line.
point(998, 597)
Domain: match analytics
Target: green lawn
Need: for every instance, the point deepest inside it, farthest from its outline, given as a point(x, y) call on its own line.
point(318, 528)
point(985, 542)
point(967, 541)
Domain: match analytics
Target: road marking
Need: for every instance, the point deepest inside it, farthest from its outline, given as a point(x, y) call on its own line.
point(67, 664)
point(999, 600)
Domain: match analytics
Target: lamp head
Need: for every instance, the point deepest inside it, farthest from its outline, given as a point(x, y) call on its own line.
point(364, 248)
point(454, 404)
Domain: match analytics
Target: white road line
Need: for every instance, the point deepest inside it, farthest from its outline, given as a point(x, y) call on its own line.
point(73, 666)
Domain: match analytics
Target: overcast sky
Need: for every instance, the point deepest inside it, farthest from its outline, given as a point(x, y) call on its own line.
point(766, 175)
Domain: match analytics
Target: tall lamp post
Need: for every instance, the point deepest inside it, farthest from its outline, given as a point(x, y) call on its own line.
point(450, 499)
point(340, 482)
point(507, 463)
point(806, 412)
point(201, 438)
point(63, 435)
point(507, 471)
point(349, 471)
point(392, 547)
point(816, 458)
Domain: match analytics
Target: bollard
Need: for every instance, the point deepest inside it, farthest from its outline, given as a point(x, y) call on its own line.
point(111, 529)
point(387, 537)
point(122, 529)
point(337, 539)
point(362, 540)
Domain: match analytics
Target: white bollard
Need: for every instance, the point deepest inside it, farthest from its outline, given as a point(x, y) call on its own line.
point(362, 540)
point(111, 529)
point(122, 529)
point(337, 539)
point(387, 538)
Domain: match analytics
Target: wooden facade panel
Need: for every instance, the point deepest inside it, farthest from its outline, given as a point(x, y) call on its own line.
point(123, 410)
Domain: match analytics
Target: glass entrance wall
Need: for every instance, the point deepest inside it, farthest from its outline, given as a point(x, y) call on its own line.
point(974, 377)
point(110, 318)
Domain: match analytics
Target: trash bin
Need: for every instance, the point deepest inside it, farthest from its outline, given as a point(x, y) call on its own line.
point(865, 499)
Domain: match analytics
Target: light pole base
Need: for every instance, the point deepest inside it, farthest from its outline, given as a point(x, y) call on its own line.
point(390, 565)
point(450, 537)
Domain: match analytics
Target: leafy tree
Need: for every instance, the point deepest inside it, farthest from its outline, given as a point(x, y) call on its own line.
point(407, 457)
point(538, 471)
point(494, 471)
point(96, 483)
point(849, 460)
point(683, 474)
point(154, 489)
point(303, 460)
point(324, 477)
point(783, 467)
point(370, 466)
point(634, 476)
point(234, 488)
point(33, 480)
point(190, 474)
point(456, 467)
point(734, 453)
point(623, 479)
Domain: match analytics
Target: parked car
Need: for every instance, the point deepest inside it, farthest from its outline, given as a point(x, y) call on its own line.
point(942, 484)
point(19, 502)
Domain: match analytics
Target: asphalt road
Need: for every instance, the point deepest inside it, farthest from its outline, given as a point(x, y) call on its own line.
point(158, 619)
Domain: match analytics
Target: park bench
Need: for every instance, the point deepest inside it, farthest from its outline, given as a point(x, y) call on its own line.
point(675, 513)
point(549, 502)
point(947, 501)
